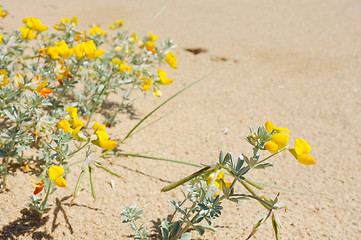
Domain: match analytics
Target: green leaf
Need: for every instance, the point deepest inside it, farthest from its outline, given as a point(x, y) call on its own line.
point(185, 236)
point(263, 166)
point(2, 153)
point(204, 170)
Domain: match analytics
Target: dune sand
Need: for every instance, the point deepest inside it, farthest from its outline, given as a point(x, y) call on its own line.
point(296, 63)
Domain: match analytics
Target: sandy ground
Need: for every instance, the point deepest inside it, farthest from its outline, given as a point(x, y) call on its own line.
point(296, 63)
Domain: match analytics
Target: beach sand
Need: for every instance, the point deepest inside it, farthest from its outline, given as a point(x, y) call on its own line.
point(295, 63)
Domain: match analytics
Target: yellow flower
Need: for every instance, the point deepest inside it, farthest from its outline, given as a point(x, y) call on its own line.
point(77, 124)
point(65, 21)
point(123, 68)
point(103, 138)
point(97, 127)
point(2, 13)
point(19, 79)
point(116, 24)
point(157, 92)
point(116, 61)
point(27, 33)
point(278, 140)
point(52, 52)
point(36, 84)
point(63, 49)
point(152, 37)
point(35, 24)
point(218, 182)
point(87, 49)
point(171, 60)
point(300, 152)
point(162, 77)
point(1, 38)
point(95, 30)
point(3, 78)
point(270, 127)
point(134, 36)
point(150, 46)
point(55, 173)
point(147, 84)
point(61, 71)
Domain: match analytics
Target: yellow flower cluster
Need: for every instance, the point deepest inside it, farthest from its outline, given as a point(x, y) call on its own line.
point(77, 124)
point(2, 13)
point(61, 49)
point(280, 139)
point(103, 138)
point(148, 83)
point(87, 49)
point(122, 67)
point(116, 24)
point(36, 84)
point(64, 22)
point(32, 25)
point(95, 30)
point(149, 45)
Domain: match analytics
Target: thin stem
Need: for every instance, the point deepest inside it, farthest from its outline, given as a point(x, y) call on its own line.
point(156, 158)
point(79, 149)
point(46, 197)
point(166, 101)
point(96, 103)
point(271, 155)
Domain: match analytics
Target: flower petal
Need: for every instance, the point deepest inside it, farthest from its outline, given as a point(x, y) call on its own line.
point(60, 182)
point(301, 146)
point(306, 159)
point(281, 139)
point(55, 172)
point(269, 126)
point(272, 147)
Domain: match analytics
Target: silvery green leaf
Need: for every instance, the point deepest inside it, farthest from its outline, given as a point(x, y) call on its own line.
point(245, 159)
point(212, 190)
point(200, 229)
point(2, 153)
point(226, 191)
point(228, 159)
point(185, 236)
point(10, 116)
point(221, 157)
point(263, 166)
point(240, 162)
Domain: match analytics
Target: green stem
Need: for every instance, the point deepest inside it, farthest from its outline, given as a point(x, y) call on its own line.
point(271, 155)
point(99, 165)
point(166, 101)
point(92, 182)
point(79, 149)
point(263, 203)
point(77, 186)
point(96, 103)
point(187, 226)
point(156, 158)
point(46, 197)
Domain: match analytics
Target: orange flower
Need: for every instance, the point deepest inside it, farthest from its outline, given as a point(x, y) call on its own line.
point(39, 187)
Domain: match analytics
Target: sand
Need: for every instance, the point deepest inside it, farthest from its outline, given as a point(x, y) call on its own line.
point(296, 63)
